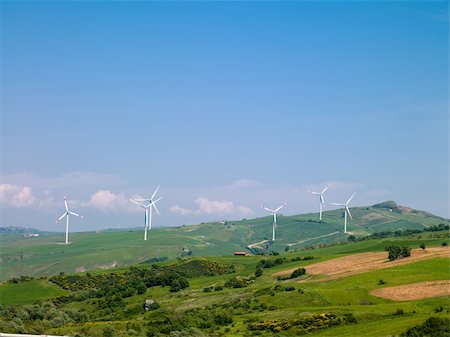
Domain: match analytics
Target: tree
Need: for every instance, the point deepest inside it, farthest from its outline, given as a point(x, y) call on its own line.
point(422, 245)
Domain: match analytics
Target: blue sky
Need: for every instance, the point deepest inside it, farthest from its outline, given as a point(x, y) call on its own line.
point(226, 105)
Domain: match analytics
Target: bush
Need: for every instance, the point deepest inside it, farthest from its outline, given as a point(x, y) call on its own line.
point(298, 272)
point(396, 252)
point(399, 311)
point(258, 271)
point(444, 244)
point(381, 281)
point(422, 245)
point(433, 326)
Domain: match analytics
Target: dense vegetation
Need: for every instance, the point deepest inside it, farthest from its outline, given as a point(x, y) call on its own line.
point(238, 296)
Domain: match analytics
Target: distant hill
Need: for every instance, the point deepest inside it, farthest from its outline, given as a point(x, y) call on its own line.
point(47, 255)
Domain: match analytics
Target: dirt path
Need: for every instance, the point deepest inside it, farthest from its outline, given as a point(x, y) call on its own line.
point(415, 291)
point(364, 262)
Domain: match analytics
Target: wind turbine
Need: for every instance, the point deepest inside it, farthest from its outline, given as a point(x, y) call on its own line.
point(66, 214)
point(346, 211)
point(148, 206)
point(274, 213)
point(321, 200)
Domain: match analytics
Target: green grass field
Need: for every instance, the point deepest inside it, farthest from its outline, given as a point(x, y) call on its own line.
point(28, 292)
point(47, 255)
point(261, 301)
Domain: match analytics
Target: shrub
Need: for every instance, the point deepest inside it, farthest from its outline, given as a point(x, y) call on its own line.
point(298, 272)
point(422, 245)
point(258, 271)
point(433, 326)
point(399, 311)
point(444, 244)
point(396, 252)
point(381, 281)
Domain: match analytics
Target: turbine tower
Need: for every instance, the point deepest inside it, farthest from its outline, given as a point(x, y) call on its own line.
point(346, 211)
point(274, 213)
point(148, 206)
point(321, 200)
point(66, 214)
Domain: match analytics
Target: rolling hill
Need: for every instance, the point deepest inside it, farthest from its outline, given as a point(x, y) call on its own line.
point(226, 296)
point(47, 255)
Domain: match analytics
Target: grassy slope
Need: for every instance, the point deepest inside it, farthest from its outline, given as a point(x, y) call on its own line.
point(29, 292)
point(376, 316)
point(46, 255)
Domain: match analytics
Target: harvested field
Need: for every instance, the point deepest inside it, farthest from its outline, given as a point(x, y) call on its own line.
point(415, 291)
point(364, 262)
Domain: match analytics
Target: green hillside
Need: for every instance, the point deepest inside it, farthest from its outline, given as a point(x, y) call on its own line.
point(47, 255)
point(220, 296)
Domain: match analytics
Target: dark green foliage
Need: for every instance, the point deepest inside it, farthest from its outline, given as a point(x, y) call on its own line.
point(432, 327)
point(444, 244)
point(298, 272)
point(235, 282)
point(303, 325)
point(399, 311)
point(37, 318)
point(271, 263)
point(422, 245)
point(289, 288)
point(258, 271)
point(396, 252)
point(306, 258)
point(350, 318)
point(109, 331)
point(381, 282)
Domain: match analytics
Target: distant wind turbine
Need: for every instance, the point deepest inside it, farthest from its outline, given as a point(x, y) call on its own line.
point(321, 200)
point(346, 211)
point(66, 214)
point(274, 213)
point(148, 206)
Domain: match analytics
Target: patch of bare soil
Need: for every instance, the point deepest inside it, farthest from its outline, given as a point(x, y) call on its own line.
point(364, 262)
point(415, 291)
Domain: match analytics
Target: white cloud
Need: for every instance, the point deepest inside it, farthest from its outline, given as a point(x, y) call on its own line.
point(180, 210)
point(16, 196)
point(213, 207)
point(106, 200)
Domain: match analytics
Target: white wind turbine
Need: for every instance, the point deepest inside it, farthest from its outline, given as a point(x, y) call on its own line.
point(321, 200)
point(346, 211)
point(66, 214)
point(148, 206)
point(274, 213)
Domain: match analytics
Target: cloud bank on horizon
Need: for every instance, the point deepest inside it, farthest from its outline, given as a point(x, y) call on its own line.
point(236, 200)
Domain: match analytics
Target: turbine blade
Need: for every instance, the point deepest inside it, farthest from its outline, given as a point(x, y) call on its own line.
point(155, 201)
point(65, 204)
point(135, 202)
point(313, 192)
point(154, 193)
point(322, 201)
point(336, 204)
point(350, 198)
point(280, 207)
point(324, 189)
point(73, 213)
point(62, 216)
point(348, 211)
point(267, 209)
point(156, 209)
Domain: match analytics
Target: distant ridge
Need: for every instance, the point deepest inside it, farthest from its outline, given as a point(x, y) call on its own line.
point(394, 207)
